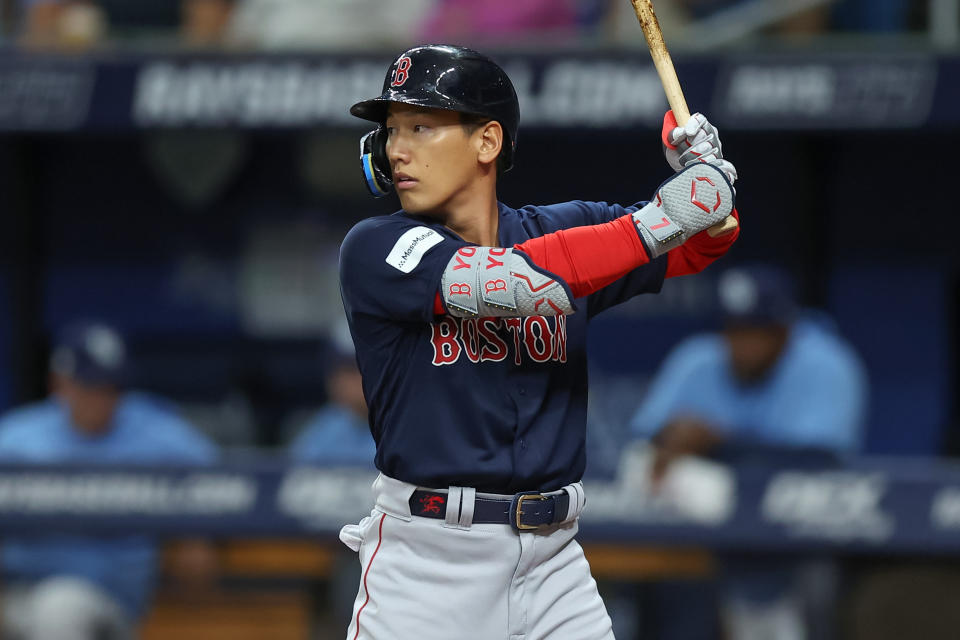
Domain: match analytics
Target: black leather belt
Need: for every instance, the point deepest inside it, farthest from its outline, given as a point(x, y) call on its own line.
point(523, 511)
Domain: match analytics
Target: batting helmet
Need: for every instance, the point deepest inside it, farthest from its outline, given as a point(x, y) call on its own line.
point(441, 77)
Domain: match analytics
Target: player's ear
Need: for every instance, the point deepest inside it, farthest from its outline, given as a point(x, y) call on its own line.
point(489, 142)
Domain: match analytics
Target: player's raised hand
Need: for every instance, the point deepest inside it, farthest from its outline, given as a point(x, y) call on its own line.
point(697, 141)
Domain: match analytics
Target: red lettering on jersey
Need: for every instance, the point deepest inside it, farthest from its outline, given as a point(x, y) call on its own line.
point(560, 339)
point(491, 262)
point(491, 286)
point(539, 343)
point(470, 339)
point(461, 263)
point(446, 347)
point(467, 252)
point(514, 325)
point(459, 289)
point(495, 348)
point(402, 74)
point(542, 338)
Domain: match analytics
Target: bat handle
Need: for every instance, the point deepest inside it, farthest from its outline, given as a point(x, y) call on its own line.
point(682, 114)
point(671, 84)
point(678, 104)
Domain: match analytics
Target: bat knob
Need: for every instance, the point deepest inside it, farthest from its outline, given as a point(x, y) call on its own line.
point(723, 228)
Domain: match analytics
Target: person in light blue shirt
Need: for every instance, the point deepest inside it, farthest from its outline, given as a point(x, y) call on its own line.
point(811, 395)
point(773, 377)
point(339, 435)
point(59, 586)
point(339, 432)
point(775, 385)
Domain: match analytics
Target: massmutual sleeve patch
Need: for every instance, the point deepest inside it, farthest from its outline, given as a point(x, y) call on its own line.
point(411, 247)
point(392, 269)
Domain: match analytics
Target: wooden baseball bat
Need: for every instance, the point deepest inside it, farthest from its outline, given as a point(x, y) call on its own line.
point(671, 84)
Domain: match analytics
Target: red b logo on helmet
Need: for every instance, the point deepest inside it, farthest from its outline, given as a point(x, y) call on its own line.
point(402, 74)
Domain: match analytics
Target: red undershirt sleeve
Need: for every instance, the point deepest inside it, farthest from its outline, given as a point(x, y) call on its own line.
point(694, 255)
point(589, 258)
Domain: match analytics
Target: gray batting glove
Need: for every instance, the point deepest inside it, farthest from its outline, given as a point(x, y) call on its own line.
point(687, 203)
point(697, 141)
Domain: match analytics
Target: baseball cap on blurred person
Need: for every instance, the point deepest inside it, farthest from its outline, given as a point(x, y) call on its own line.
point(757, 295)
point(338, 358)
point(91, 353)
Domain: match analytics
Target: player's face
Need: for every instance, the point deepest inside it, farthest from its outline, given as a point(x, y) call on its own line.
point(432, 156)
point(755, 350)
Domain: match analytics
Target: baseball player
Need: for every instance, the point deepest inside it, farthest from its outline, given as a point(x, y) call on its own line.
point(470, 320)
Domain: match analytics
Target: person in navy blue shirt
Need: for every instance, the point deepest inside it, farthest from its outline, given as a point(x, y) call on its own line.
point(469, 319)
point(777, 387)
point(59, 586)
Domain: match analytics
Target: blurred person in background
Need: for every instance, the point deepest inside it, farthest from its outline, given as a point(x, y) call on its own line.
point(803, 19)
point(47, 24)
point(349, 25)
point(79, 24)
point(684, 21)
point(339, 432)
point(502, 22)
point(775, 387)
point(79, 587)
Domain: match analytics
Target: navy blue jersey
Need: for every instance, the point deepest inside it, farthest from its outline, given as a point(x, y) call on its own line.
point(499, 404)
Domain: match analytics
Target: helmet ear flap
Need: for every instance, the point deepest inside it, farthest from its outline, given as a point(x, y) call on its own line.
point(376, 167)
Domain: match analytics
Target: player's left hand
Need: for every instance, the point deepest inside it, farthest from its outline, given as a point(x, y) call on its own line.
point(697, 141)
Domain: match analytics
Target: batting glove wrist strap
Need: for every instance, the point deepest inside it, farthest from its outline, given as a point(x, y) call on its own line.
point(684, 205)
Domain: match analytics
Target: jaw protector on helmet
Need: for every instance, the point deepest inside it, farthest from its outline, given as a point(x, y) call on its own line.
point(376, 167)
